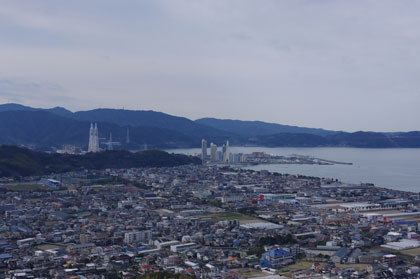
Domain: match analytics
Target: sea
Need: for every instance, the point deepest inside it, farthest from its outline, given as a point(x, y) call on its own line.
point(394, 168)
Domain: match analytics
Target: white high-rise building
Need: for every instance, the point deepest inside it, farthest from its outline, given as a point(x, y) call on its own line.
point(90, 146)
point(93, 138)
point(219, 156)
point(213, 152)
point(203, 150)
point(226, 158)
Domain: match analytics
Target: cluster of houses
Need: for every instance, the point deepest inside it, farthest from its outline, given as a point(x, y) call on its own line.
point(206, 222)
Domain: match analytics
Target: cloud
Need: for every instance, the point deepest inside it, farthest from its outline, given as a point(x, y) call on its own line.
point(330, 64)
point(35, 93)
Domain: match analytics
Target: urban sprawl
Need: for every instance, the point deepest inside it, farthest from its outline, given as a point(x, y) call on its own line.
point(204, 221)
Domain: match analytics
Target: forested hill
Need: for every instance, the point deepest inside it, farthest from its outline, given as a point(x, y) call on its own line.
point(17, 161)
point(50, 129)
point(258, 128)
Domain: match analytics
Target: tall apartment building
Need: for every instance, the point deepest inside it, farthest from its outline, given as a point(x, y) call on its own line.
point(137, 237)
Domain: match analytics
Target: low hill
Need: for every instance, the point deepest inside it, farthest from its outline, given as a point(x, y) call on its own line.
point(17, 107)
point(289, 140)
point(44, 130)
point(257, 128)
point(184, 132)
point(150, 118)
point(17, 161)
point(357, 139)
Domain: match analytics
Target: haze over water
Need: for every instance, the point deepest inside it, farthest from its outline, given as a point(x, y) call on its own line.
point(396, 168)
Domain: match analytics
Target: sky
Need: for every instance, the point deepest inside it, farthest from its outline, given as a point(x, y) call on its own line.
point(333, 64)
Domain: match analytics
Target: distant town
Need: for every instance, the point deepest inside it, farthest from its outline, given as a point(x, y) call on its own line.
point(224, 156)
point(221, 156)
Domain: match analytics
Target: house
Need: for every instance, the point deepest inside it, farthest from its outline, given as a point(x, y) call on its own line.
point(339, 255)
point(354, 256)
point(275, 258)
point(389, 259)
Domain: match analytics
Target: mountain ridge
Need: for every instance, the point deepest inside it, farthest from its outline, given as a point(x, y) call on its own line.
point(52, 128)
point(253, 128)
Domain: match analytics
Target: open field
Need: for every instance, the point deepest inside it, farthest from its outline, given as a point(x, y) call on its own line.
point(223, 216)
point(24, 187)
point(359, 267)
point(384, 211)
point(304, 265)
point(411, 252)
point(300, 265)
point(249, 272)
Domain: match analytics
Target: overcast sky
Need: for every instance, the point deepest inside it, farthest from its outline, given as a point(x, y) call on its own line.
point(344, 65)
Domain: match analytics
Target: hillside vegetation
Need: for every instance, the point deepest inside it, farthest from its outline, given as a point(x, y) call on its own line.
point(16, 161)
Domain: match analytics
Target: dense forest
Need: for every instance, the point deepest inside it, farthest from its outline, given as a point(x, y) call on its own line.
point(17, 161)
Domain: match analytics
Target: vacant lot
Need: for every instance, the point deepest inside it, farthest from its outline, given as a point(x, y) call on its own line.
point(359, 267)
point(411, 252)
point(223, 216)
point(24, 187)
point(300, 265)
point(249, 272)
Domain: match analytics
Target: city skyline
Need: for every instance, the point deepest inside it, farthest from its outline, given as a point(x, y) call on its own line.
point(324, 64)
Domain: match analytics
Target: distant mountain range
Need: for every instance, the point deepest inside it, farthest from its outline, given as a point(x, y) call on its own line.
point(44, 129)
point(254, 128)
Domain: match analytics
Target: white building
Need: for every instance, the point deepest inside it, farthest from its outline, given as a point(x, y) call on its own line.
point(213, 152)
point(25, 242)
point(93, 139)
point(137, 237)
point(183, 247)
point(226, 157)
point(203, 150)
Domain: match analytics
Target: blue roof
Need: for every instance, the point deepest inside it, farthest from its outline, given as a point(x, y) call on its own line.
point(5, 256)
point(61, 251)
point(276, 253)
point(24, 229)
point(140, 249)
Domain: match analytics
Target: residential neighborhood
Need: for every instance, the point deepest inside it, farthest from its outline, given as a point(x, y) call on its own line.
point(204, 222)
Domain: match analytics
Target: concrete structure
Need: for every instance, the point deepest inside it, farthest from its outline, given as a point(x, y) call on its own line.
point(25, 242)
point(137, 237)
point(277, 197)
point(226, 157)
point(403, 244)
point(203, 150)
point(389, 259)
point(183, 247)
point(93, 138)
point(80, 248)
point(213, 152)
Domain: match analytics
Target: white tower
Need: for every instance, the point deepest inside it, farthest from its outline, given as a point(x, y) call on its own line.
point(227, 155)
point(90, 146)
point(213, 152)
point(93, 139)
point(96, 137)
